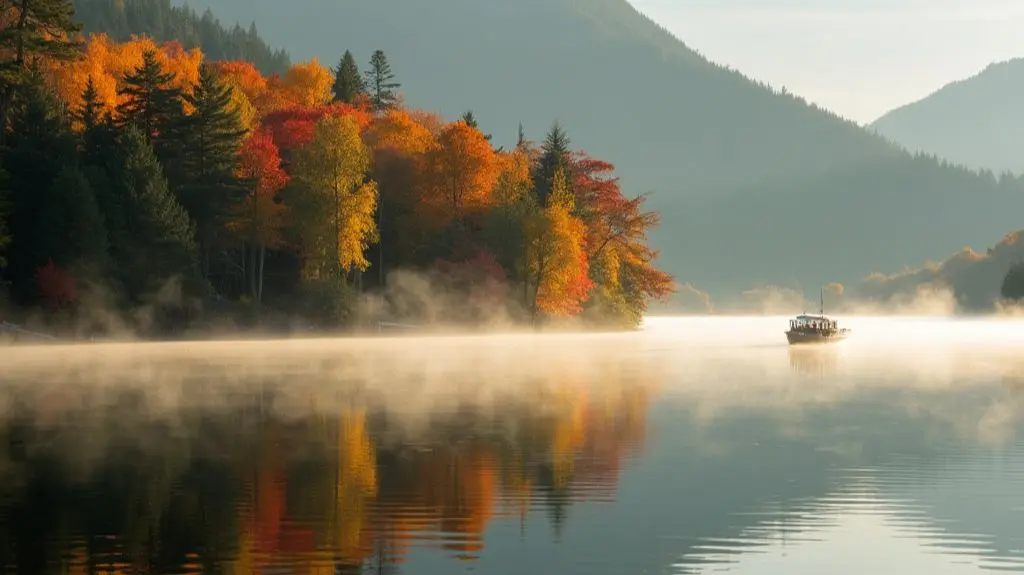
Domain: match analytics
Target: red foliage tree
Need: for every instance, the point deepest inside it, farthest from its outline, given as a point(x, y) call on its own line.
point(56, 286)
point(292, 127)
point(617, 227)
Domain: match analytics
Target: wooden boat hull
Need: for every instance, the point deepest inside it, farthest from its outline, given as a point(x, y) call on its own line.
point(803, 337)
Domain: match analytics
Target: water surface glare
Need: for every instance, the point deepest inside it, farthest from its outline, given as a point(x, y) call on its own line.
point(702, 445)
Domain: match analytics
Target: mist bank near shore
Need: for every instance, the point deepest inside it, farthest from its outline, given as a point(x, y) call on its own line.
point(966, 283)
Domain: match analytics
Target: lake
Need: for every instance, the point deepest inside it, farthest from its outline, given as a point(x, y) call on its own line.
point(702, 445)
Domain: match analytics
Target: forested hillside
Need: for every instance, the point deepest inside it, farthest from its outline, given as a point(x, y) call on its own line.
point(154, 178)
point(737, 169)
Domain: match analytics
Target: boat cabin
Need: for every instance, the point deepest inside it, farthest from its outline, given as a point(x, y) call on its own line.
point(812, 322)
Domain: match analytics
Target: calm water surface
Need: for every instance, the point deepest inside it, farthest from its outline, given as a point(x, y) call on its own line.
point(696, 446)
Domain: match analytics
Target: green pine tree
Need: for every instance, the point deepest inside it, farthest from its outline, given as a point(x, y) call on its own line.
point(213, 138)
point(380, 78)
point(71, 230)
point(160, 237)
point(470, 119)
point(34, 29)
point(91, 112)
point(40, 145)
point(554, 158)
point(152, 103)
point(99, 130)
point(348, 82)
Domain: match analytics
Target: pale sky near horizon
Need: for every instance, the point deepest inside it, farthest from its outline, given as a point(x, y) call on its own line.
point(859, 58)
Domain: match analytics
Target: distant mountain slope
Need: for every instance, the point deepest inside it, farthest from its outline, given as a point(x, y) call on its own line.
point(977, 122)
point(842, 226)
point(159, 19)
point(737, 169)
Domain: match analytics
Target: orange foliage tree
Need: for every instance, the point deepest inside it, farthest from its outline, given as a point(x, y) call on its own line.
point(399, 143)
point(461, 172)
point(108, 62)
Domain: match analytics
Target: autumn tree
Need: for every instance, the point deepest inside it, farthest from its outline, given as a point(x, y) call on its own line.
point(309, 84)
point(555, 267)
point(258, 219)
point(462, 172)
point(33, 30)
point(348, 81)
point(380, 82)
point(399, 143)
point(249, 89)
point(213, 136)
point(334, 201)
point(622, 263)
point(512, 200)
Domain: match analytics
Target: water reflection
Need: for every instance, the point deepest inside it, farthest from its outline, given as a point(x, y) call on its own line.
point(813, 360)
point(664, 452)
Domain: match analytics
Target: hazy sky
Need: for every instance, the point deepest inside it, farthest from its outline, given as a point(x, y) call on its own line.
point(859, 58)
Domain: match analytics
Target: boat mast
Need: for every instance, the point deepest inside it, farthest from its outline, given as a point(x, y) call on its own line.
point(821, 294)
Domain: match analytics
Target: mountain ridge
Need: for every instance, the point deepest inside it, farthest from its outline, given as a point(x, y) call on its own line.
point(974, 121)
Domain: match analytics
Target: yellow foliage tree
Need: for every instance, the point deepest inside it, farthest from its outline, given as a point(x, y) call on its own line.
point(331, 177)
point(556, 269)
point(309, 84)
point(461, 172)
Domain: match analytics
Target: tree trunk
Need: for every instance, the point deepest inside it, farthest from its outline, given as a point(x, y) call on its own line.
point(263, 257)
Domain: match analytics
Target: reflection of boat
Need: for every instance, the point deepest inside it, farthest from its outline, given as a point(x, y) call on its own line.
point(814, 361)
point(815, 328)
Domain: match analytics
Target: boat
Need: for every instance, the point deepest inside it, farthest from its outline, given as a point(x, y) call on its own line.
point(819, 328)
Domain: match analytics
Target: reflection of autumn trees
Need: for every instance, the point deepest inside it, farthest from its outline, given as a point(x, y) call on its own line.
point(241, 491)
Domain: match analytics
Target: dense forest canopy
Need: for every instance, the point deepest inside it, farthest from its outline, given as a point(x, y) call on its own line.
point(701, 139)
point(153, 173)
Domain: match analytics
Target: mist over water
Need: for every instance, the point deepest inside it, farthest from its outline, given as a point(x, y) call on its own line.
point(695, 445)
